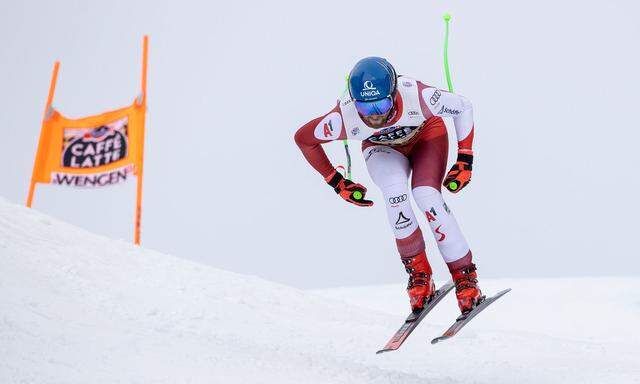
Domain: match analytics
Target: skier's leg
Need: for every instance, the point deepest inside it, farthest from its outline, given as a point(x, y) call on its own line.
point(389, 170)
point(429, 160)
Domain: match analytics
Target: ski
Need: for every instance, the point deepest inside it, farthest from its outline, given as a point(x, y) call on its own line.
point(462, 320)
point(414, 319)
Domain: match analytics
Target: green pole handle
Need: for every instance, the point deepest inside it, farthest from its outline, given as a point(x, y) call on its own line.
point(447, 18)
point(453, 185)
point(357, 195)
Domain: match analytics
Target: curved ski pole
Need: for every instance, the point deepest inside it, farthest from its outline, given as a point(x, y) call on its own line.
point(447, 18)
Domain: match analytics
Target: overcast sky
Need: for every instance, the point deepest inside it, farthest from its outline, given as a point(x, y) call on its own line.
point(553, 85)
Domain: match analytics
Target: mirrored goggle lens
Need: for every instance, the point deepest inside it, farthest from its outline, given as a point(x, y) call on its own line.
point(378, 107)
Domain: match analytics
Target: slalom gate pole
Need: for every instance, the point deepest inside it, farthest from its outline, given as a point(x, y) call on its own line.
point(138, 218)
point(45, 117)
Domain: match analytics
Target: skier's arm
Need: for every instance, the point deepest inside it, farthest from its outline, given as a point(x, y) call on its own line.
point(312, 149)
point(446, 104)
point(310, 138)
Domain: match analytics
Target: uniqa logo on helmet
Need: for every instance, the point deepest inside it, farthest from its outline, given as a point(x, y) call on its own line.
point(369, 90)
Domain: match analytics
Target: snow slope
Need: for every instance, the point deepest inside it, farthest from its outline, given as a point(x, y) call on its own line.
point(577, 330)
point(80, 308)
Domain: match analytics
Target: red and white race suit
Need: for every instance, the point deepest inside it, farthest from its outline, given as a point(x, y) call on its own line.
point(414, 143)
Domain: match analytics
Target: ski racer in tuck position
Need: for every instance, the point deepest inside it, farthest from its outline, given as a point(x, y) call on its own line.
point(399, 121)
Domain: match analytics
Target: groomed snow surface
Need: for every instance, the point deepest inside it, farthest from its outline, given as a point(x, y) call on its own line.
point(80, 308)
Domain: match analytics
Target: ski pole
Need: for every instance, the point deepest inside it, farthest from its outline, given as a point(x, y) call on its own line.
point(447, 18)
point(346, 147)
point(453, 185)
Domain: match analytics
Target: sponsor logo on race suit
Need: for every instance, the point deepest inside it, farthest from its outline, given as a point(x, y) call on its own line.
point(375, 150)
point(433, 100)
point(450, 111)
point(329, 128)
point(396, 135)
point(442, 235)
point(398, 199)
point(402, 222)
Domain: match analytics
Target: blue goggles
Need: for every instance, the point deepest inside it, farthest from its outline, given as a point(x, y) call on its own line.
point(377, 107)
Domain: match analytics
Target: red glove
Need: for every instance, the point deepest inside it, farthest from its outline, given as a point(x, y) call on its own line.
point(460, 174)
point(348, 190)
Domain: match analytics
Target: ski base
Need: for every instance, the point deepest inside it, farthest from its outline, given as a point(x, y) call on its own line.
point(462, 320)
point(414, 319)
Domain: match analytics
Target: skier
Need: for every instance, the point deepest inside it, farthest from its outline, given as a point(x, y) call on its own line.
point(399, 121)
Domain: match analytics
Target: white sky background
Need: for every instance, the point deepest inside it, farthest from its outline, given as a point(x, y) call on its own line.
point(553, 86)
